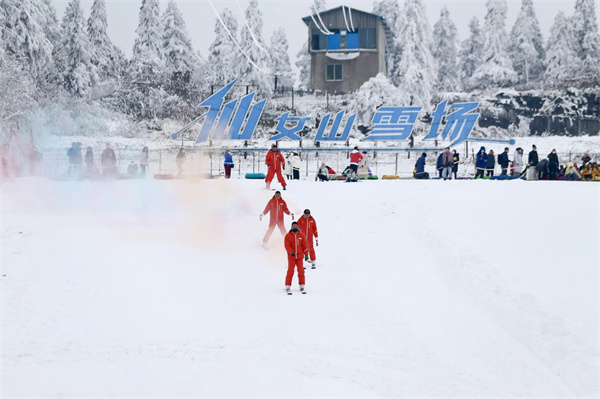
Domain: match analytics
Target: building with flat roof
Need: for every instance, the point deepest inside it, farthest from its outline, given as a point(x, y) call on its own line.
point(347, 47)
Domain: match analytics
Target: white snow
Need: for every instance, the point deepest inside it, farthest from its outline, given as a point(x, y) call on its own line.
point(423, 288)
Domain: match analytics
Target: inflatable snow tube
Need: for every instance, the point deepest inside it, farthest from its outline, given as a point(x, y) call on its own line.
point(390, 177)
point(201, 176)
point(340, 178)
point(255, 176)
point(505, 177)
point(164, 176)
point(373, 177)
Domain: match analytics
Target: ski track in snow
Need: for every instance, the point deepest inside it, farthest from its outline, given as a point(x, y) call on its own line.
point(147, 288)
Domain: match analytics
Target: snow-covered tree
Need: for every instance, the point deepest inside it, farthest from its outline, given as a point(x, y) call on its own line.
point(374, 93)
point(496, 69)
point(24, 34)
point(303, 65)
point(526, 48)
point(321, 5)
point(445, 52)
point(280, 60)
point(416, 71)
point(78, 72)
point(587, 40)
point(471, 53)
point(562, 61)
point(176, 44)
point(221, 65)
point(254, 48)
point(51, 25)
point(391, 13)
point(146, 60)
point(105, 56)
point(18, 92)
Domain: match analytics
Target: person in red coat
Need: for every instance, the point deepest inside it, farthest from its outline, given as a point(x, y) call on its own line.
point(276, 207)
point(308, 227)
point(276, 163)
point(355, 157)
point(295, 246)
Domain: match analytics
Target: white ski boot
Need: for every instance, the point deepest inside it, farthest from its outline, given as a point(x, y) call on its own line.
point(314, 264)
point(287, 289)
point(302, 289)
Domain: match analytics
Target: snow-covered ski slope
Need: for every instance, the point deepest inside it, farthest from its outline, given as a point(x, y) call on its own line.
point(423, 289)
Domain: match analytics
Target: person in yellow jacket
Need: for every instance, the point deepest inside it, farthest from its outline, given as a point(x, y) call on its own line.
point(595, 172)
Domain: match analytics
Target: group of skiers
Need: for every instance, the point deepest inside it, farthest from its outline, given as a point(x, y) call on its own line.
point(447, 165)
point(298, 242)
point(108, 163)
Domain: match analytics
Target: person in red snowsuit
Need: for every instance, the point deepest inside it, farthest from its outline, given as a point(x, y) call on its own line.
point(276, 207)
point(355, 157)
point(308, 227)
point(276, 163)
point(295, 246)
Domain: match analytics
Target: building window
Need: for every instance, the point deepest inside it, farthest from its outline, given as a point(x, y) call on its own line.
point(318, 41)
point(367, 39)
point(334, 72)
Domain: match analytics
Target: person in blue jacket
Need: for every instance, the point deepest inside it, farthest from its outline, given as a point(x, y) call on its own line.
point(439, 165)
point(228, 164)
point(420, 168)
point(480, 162)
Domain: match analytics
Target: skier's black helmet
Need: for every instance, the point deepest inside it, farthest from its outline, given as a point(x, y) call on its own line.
point(307, 211)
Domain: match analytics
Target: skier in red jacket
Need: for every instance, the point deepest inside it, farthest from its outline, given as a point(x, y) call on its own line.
point(276, 163)
point(277, 207)
point(295, 246)
point(308, 227)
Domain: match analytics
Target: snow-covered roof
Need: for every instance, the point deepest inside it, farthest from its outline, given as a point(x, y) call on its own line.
point(308, 19)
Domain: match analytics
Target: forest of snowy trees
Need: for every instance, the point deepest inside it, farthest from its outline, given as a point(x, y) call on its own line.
point(46, 60)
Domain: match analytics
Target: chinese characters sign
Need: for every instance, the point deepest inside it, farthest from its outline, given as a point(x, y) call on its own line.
point(238, 119)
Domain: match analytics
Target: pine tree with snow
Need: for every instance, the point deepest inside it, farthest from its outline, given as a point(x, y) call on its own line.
point(177, 48)
point(222, 65)
point(497, 69)
point(471, 54)
point(587, 40)
point(391, 13)
point(78, 72)
point(416, 71)
point(24, 35)
point(445, 52)
point(303, 64)
point(526, 48)
point(147, 65)
point(51, 25)
point(562, 61)
point(256, 73)
point(280, 60)
point(318, 6)
point(374, 93)
point(105, 56)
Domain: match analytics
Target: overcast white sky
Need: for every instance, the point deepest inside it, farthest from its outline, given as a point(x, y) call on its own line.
point(200, 18)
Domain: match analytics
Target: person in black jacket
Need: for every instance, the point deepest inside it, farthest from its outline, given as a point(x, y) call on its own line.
point(491, 164)
point(542, 169)
point(553, 164)
point(533, 157)
point(456, 159)
point(439, 165)
point(504, 162)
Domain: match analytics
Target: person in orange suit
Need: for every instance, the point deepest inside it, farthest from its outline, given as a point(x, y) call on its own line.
point(276, 207)
point(295, 246)
point(308, 227)
point(276, 163)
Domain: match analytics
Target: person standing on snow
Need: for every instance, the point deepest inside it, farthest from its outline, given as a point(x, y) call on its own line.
point(355, 157)
point(295, 246)
point(144, 161)
point(480, 163)
point(447, 162)
point(228, 164)
point(276, 207)
point(503, 161)
point(491, 164)
point(455, 161)
point(553, 164)
point(308, 227)
point(276, 164)
point(108, 160)
point(518, 161)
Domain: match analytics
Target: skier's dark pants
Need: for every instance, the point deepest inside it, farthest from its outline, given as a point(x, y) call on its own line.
point(296, 174)
point(490, 173)
point(455, 169)
point(504, 171)
point(422, 175)
point(227, 171)
point(479, 173)
point(322, 177)
point(440, 170)
point(354, 168)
